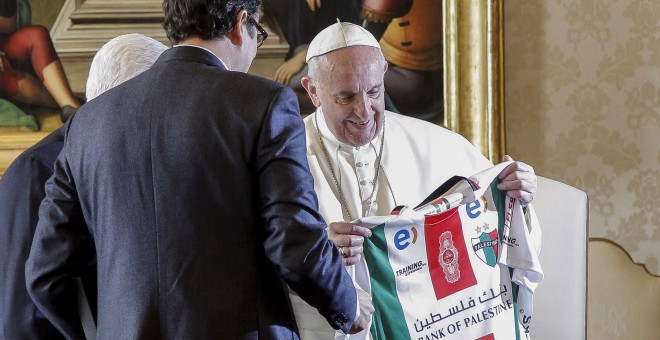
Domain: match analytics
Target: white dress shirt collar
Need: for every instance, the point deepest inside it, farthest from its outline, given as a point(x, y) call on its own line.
point(204, 48)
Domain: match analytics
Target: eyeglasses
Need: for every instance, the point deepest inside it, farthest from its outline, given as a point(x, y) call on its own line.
point(261, 32)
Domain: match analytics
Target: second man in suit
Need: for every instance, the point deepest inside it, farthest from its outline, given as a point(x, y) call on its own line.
point(193, 181)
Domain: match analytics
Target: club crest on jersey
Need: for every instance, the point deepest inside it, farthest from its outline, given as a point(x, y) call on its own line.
point(448, 257)
point(486, 247)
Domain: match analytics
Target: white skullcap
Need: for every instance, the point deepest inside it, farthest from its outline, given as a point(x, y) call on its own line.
point(340, 35)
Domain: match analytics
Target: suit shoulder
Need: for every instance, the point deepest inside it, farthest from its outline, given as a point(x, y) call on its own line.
point(258, 81)
point(45, 151)
point(260, 89)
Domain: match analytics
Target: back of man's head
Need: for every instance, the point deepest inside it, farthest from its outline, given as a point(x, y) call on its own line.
point(121, 59)
point(206, 19)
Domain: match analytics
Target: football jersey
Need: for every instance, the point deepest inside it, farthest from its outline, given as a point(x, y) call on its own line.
point(459, 266)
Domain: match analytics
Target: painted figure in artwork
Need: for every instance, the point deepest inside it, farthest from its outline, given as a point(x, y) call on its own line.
point(30, 70)
point(412, 45)
point(299, 21)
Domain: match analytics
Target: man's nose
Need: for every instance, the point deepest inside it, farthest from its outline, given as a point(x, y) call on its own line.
point(362, 105)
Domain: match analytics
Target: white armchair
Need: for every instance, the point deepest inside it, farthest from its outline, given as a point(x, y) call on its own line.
point(560, 301)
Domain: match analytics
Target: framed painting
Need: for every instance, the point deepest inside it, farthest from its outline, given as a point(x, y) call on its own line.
point(76, 29)
point(471, 90)
point(33, 86)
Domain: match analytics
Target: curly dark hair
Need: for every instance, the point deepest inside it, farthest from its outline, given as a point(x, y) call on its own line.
point(207, 19)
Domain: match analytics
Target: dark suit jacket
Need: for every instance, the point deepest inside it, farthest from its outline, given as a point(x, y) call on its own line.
point(195, 186)
point(21, 192)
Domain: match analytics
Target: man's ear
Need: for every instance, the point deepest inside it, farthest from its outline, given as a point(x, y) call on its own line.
point(236, 35)
point(312, 90)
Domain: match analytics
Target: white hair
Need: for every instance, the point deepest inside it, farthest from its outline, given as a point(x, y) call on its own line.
point(121, 59)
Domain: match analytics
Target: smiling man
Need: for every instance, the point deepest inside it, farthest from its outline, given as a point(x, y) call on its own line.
point(366, 160)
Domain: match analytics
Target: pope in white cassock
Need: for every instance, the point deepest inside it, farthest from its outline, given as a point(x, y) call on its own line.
point(366, 161)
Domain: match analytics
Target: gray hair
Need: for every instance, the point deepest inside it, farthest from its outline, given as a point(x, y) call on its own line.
point(121, 59)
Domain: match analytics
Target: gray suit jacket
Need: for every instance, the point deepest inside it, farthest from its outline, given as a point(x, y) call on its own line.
point(194, 183)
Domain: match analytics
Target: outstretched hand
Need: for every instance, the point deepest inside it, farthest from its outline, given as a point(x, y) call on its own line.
point(348, 238)
point(290, 68)
point(518, 180)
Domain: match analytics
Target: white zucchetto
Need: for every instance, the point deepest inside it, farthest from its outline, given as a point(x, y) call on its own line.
point(340, 35)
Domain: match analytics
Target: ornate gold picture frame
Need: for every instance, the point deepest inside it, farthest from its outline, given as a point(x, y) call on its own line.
point(13, 143)
point(474, 73)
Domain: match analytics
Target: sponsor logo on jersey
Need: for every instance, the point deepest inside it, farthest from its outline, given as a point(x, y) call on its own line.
point(411, 268)
point(405, 237)
point(475, 208)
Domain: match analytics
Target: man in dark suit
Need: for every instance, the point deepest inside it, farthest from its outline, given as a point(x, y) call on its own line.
point(193, 181)
point(22, 189)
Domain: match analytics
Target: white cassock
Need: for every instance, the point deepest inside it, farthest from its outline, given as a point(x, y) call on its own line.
point(417, 157)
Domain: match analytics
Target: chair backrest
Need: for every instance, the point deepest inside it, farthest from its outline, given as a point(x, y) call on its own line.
point(560, 301)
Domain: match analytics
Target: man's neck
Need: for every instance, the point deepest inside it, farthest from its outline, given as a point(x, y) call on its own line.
point(221, 48)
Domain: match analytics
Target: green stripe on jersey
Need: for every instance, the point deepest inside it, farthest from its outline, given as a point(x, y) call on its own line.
point(388, 311)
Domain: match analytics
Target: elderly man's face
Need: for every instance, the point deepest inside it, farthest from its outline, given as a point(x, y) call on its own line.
point(350, 90)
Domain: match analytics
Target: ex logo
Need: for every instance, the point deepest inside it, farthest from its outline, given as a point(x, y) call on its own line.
point(473, 209)
point(404, 237)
